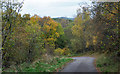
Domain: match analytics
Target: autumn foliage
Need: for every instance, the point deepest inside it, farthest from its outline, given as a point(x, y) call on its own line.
point(27, 38)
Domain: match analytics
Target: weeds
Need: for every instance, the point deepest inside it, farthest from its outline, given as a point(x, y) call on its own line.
point(106, 64)
point(41, 66)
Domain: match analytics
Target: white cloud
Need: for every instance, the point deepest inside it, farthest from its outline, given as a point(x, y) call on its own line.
point(51, 8)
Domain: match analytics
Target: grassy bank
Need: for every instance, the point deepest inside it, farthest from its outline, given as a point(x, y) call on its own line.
point(52, 65)
point(107, 64)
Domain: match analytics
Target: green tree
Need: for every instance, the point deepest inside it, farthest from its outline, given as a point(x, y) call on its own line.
point(10, 14)
point(78, 30)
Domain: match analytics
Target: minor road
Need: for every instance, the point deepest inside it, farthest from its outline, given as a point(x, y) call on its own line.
point(81, 64)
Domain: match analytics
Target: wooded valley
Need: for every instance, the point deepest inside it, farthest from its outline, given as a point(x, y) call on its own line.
point(27, 39)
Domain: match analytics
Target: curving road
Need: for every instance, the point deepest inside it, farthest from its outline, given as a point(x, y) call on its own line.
point(81, 64)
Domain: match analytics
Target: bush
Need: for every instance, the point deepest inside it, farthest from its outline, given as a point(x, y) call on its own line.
point(64, 51)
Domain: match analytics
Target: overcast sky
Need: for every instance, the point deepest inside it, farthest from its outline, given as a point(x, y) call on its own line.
point(52, 8)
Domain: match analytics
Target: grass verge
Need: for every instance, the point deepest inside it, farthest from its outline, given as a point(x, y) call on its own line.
point(51, 65)
point(106, 64)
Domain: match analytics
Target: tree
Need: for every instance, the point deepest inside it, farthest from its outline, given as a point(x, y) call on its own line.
point(107, 16)
point(10, 14)
point(78, 30)
point(50, 33)
point(11, 10)
point(34, 37)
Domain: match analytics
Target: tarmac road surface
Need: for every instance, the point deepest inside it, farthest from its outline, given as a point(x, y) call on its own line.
point(80, 65)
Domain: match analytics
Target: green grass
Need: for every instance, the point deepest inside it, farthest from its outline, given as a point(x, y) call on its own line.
point(49, 66)
point(107, 64)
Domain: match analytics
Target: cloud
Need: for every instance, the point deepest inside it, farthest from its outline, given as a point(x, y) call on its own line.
point(51, 8)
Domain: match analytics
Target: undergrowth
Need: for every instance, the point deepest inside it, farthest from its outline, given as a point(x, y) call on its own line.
point(41, 66)
point(107, 64)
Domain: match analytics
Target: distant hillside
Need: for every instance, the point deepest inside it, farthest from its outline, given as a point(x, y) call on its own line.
point(64, 21)
point(66, 18)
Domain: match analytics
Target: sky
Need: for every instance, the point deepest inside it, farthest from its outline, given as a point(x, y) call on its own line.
point(52, 8)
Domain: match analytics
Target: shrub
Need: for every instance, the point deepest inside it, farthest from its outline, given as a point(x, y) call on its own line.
point(64, 51)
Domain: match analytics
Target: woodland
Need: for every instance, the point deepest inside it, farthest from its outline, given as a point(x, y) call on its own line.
point(27, 39)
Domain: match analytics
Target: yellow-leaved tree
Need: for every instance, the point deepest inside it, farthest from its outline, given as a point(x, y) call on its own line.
point(51, 32)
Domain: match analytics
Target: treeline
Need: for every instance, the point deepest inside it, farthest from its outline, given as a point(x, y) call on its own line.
point(97, 29)
point(26, 38)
